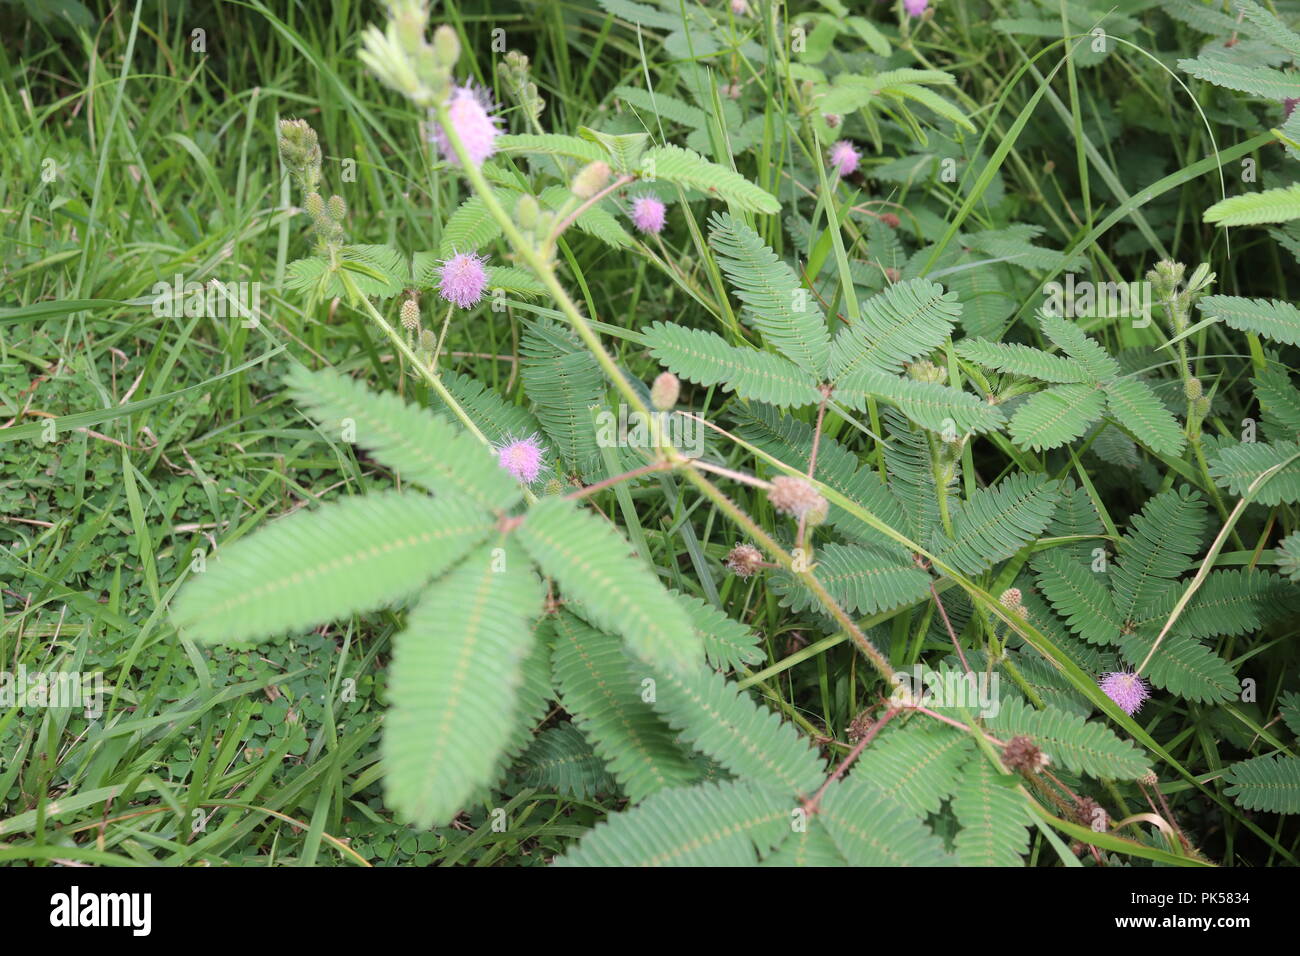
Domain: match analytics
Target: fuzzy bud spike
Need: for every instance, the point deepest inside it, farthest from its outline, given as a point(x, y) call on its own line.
point(665, 391)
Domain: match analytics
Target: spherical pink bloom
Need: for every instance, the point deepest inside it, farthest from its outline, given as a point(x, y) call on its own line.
point(648, 214)
point(915, 8)
point(1126, 689)
point(844, 157)
point(463, 279)
point(522, 458)
point(470, 112)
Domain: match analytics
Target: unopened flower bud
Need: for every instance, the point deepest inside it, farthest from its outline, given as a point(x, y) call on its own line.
point(926, 371)
point(446, 46)
point(590, 180)
point(664, 392)
point(314, 205)
point(411, 314)
point(337, 207)
point(526, 212)
point(1193, 389)
point(891, 220)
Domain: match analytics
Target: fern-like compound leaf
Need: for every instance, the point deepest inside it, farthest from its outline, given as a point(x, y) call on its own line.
point(1267, 205)
point(1056, 416)
point(600, 686)
point(917, 767)
point(1157, 548)
point(1135, 406)
point(870, 829)
point(909, 319)
point(933, 406)
point(863, 578)
point(592, 563)
point(563, 381)
point(686, 167)
point(707, 359)
point(1016, 359)
point(452, 684)
point(1271, 318)
point(342, 558)
point(1079, 595)
point(775, 301)
point(424, 448)
point(994, 523)
point(727, 824)
point(993, 816)
point(1237, 467)
point(723, 721)
point(810, 846)
point(1270, 783)
point(727, 643)
point(1072, 340)
point(561, 760)
point(1181, 665)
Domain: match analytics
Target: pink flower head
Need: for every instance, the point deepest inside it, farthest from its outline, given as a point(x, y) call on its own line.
point(740, 7)
point(463, 279)
point(915, 8)
point(470, 112)
point(521, 457)
point(648, 214)
point(844, 157)
point(1126, 689)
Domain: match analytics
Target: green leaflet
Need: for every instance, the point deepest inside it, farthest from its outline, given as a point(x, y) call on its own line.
point(810, 845)
point(424, 448)
point(727, 643)
point(591, 562)
point(453, 680)
point(563, 381)
point(345, 557)
point(863, 578)
point(1017, 359)
point(727, 824)
point(602, 688)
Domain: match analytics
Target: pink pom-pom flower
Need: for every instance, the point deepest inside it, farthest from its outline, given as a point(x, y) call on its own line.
point(915, 8)
point(470, 112)
point(648, 214)
point(1126, 689)
point(844, 158)
point(463, 279)
point(522, 458)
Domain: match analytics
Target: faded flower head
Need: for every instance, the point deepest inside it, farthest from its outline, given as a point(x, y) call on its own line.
point(844, 158)
point(463, 279)
point(648, 214)
point(469, 111)
point(915, 8)
point(522, 458)
point(1289, 104)
point(1126, 689)
point(744, 560)
point(794, 496)
point(1020, 753)
point(740, 7)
